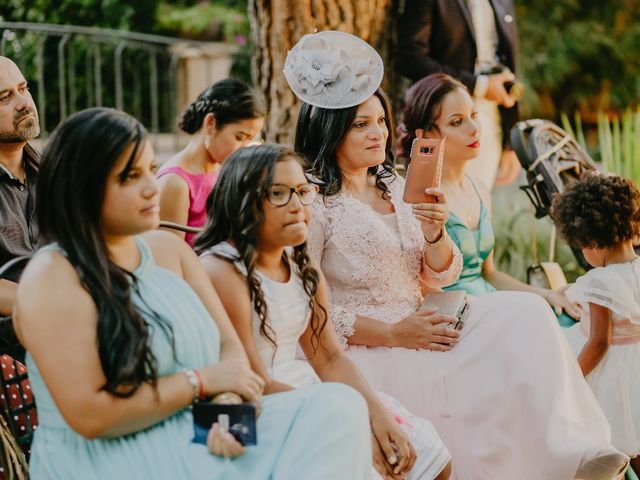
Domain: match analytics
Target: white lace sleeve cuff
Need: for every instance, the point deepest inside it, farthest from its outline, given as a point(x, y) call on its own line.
point(343, 323)
point(446, 277)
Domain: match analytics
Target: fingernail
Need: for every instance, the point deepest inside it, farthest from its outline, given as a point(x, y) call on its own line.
point(393, 459)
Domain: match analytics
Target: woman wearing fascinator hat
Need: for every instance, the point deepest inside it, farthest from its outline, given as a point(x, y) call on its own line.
point(505, 393)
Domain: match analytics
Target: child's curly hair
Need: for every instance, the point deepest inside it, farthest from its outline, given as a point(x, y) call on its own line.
point(598, 211)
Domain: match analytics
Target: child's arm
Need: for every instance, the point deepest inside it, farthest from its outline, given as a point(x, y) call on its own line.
point(599, 339)
point(236, 299)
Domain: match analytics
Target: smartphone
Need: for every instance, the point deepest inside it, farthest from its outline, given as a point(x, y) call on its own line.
point(424, 170)
point(237, 419)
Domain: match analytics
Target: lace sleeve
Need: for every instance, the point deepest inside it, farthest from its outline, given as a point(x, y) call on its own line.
point(316, 233)
point(435, 279)
point(343, 323)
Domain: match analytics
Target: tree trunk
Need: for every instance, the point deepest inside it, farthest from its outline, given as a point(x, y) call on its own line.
point(276, 25)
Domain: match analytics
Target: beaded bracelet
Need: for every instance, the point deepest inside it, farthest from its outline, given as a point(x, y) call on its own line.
point(195, 379)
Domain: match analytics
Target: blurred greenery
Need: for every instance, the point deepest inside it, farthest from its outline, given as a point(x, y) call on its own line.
point(579, 55)
point(618, 141)
point(136, 16)
point(515, 229)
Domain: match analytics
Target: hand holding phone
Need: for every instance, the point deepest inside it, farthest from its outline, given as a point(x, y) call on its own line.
point(424, 170)
point(238, 419)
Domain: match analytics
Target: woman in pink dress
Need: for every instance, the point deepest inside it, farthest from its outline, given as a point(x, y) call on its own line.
point(507, 396)
point(224, 117)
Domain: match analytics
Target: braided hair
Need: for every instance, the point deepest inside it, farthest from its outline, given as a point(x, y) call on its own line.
point(229, 100)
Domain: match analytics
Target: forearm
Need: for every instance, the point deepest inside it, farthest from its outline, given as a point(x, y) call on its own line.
point(439, 256)
point(503, 281)
point(7, 297)
point(591, 355)
point(342, 370)
point(109, 416)
point(370, 332)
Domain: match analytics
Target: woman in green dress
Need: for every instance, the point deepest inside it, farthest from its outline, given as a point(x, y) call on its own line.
point(439, 106)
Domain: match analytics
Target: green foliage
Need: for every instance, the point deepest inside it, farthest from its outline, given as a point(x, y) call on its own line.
point(138, 16)
point(618, 145)
point(515, 227)
point(579, 55)
point(206, 21)
point(222, 21)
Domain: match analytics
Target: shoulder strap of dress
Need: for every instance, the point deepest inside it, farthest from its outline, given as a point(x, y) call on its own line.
point(228, 252)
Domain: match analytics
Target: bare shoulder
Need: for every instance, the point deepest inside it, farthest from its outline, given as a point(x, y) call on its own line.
point(173, 184)
point(484, 192)
point(50, 289)
point(168, 250)
point(219, 269)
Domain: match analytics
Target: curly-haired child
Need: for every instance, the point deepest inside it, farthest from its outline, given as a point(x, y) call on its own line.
point(601, 216)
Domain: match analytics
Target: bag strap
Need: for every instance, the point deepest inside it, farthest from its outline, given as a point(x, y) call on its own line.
point(12, 263)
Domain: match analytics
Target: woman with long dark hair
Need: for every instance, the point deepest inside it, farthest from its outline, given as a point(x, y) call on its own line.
point(508, 398)
point(440, 106)
point(124, 331)
point(225, 116)
point(254, 251)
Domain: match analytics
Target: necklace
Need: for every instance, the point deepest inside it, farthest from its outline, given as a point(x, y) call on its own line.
point(465, 207)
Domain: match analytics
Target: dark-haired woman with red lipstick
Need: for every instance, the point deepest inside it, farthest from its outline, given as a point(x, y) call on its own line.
point(439, 106)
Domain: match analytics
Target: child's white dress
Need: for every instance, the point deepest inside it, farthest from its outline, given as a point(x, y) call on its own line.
point(615, 381)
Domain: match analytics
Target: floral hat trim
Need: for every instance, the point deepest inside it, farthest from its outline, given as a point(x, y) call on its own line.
point(333, 69)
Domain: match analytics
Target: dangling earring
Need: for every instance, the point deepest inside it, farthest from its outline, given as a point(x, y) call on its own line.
point(207, 142)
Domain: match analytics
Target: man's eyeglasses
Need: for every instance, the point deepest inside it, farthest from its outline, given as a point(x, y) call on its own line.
point(280, 195)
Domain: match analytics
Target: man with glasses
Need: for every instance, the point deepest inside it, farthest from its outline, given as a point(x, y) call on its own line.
point(18, 173)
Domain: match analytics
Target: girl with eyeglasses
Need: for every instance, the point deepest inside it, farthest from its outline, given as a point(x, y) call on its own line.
point(253, 248)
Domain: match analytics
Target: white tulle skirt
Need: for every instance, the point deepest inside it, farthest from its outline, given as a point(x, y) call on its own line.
point(615, 382)
point(509, 401)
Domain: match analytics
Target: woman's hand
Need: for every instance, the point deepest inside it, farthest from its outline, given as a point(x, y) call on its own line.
point(560, 302)
point(432, 216)
point(222, 443)
point(425, 329)
point(233, 376)
point(393, 454)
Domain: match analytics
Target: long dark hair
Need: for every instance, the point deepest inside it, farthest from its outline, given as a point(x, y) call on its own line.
point(76, 163)
point(422, 103)
point(235, 213)
point(229, 100)
point(319, 134)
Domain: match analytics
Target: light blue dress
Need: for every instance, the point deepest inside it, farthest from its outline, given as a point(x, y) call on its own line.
point(475, 246)
point(318, 432)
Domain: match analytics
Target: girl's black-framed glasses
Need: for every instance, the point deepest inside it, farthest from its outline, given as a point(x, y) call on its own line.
point(280, 195)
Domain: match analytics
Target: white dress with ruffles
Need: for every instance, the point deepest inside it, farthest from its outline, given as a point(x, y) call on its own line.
point(615, 381)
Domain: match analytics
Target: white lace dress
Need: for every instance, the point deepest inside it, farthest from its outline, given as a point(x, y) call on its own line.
point(288, 312)
point(615, 381)
point(509, 400)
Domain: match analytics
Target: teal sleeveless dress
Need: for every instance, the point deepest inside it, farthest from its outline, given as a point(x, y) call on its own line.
point(289, 429)
point(475, 246)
